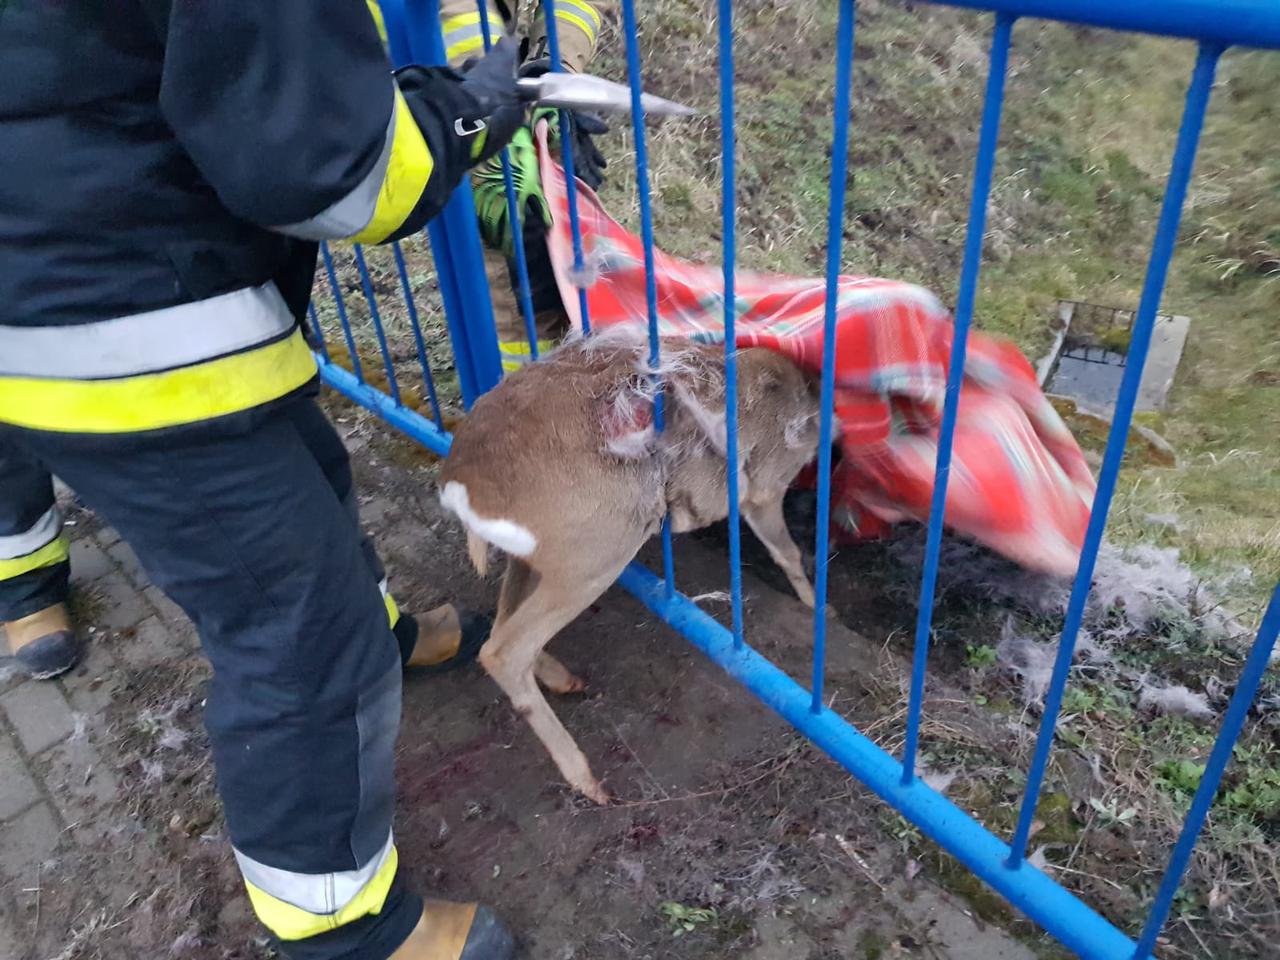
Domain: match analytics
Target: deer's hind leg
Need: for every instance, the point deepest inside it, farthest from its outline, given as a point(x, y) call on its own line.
point(518, 584)
point(765, 518)
point(511, 657)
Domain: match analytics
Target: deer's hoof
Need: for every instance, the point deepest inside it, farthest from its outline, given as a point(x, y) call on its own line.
point(574, 684)
point(596, 793)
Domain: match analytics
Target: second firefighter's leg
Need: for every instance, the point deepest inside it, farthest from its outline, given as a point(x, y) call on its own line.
point(245, 532)
point(508, 312)
point(463, 33)
point(578, 26)
point(34, 567)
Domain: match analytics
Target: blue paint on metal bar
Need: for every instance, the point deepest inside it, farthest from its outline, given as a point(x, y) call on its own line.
point(395, 17)
point(729, 228)
point(404, 419)
point(523, 292)
point(455, 240)
point(316, 331)
point(1249, 23)
point(835, 236)
point(1175, 193)
point(566, 159)
point(366, 284)
point(984, 167)
point(454, 318)
point(1255, 667)
point(514, 217)
point(1003, 866)
point(1036, 895)
point(646, 236)
point(427, 380)
point(341, 303)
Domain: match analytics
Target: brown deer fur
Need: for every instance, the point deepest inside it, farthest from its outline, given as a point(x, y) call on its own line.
point(560, 468)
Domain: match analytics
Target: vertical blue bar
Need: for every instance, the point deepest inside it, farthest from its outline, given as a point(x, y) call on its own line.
point(321, 347)
point(646, 235)
point(1250, 679)
point(1184, 156)
point(984, 168)
point(835, 234)
point(342, 310)
point(402, 53)
point(566, 156)
point(427, 380)
point(455, 239)
point(514, 214)
point(729, 226)
point(366, 284)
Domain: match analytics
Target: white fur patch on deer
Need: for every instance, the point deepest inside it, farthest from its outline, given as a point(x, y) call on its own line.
point(561, 467)
point(507, 535)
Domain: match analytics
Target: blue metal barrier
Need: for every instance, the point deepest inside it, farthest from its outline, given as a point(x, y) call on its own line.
point(414, 31)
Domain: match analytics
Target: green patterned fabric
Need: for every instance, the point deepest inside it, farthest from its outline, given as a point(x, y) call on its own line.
point(490, 192)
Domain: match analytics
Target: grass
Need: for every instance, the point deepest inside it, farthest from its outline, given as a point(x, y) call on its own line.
point(1086, 138)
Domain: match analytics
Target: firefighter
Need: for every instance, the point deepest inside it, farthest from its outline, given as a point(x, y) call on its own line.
point(578, 27)
point(166, 169)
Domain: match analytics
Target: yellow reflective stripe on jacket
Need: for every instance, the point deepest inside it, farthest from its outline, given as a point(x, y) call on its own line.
point(293, 923)
point(375, 11)
point(51, 553)
point(152, 401)
point(408, 170)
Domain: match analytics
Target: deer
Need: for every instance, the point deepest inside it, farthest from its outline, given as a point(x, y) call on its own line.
point(561, 468)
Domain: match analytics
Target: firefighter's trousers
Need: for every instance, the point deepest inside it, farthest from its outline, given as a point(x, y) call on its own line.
point(249, 524)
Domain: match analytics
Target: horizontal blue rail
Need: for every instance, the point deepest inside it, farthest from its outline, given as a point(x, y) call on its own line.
point(404, 419)
point(1028, 889)
point(414, 29)
point(1246, 23)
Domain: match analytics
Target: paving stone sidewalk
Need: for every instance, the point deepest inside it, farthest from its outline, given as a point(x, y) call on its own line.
point(54, 778)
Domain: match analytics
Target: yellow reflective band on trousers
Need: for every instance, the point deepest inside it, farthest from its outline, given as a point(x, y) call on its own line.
point(464, 34)
point(51, 553)
point(152, 401)
point(585, 19)
point(516, 353)
point(408, 170)
point(293, 923)
point(393, 612)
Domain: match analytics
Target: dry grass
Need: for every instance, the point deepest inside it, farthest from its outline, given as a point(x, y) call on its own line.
point(1087, 134)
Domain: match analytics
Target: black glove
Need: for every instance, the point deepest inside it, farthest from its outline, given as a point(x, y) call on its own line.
point(491, 82)
point(464, 118)
point(588, 162)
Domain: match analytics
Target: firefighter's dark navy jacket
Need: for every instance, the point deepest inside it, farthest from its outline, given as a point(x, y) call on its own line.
point(166, 167)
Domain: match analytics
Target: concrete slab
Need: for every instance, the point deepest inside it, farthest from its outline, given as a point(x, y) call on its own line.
point(1168, 340)
point(1096, 381)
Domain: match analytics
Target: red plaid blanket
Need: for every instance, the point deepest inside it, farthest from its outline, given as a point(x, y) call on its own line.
point(1019, 483)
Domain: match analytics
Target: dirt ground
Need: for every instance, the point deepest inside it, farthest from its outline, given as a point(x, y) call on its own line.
point(730, 836)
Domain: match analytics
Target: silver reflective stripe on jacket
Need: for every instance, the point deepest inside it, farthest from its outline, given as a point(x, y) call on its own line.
point(352, 213)
point(147, 342)
point(42, 532)
point(320, 893)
